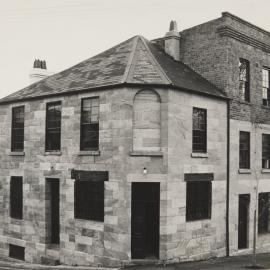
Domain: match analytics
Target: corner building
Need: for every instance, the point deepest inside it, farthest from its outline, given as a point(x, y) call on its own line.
point(119, 158)
point(235, 55)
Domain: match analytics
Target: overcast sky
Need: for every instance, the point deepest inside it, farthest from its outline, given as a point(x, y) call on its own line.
point(65, 32)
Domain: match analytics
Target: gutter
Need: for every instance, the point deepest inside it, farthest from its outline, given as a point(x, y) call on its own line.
point(228, 183)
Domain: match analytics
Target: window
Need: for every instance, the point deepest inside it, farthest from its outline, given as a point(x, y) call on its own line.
point(16, 252)
point(53, 126)
point(198, 200)
point(90, 124)
point(17, 129)
point(263, 214)
point(266, 87)
point(244, 150)
point(16, 197)
point(199, 131)
point(244, 79)
point(89, 194)
point(266, 151)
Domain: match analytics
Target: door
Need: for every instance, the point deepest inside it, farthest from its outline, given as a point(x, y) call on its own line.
point(145, 220)
point(53, 213)
point(243, 219)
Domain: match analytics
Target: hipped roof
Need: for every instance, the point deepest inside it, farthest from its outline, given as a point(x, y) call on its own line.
point(134, 61)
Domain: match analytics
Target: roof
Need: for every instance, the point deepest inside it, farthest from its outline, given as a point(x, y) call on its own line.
point(134, 61)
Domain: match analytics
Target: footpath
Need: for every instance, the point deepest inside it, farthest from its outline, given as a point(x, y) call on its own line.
point(231, 263)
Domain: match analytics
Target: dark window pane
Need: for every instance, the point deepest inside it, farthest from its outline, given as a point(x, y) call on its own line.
point(16, 197)
point(89, 200)
point(90, 124)
point(16, 252)
point(199, 131)
point(198, 200)
point(263, 214)
point(53, 126)
point(244, 79)
point(244, 150)
point(17, 130)
point(266, 151)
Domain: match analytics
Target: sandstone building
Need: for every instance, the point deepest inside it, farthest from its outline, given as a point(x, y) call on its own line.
point(148, 150)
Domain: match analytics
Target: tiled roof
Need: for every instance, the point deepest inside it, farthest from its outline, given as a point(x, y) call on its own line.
point(135, 61)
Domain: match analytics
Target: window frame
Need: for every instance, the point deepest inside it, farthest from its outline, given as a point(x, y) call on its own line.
point(194, 199)
point(263, 217)
point(266, 88)
point(87, 211)
point(244, 163)
point(16, 197)
point(245, 96)
point(94, 124)
point(202, 133)
point(49, 129)
point(14, 129)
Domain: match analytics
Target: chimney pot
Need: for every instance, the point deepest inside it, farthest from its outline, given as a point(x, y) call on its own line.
point(39, 71)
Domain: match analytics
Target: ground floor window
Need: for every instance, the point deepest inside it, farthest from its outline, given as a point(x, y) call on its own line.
point(263, 214)
point(198, 200)
point(16, 197)
point(89, 194)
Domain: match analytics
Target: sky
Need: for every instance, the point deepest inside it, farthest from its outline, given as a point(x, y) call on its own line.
point(66, 32)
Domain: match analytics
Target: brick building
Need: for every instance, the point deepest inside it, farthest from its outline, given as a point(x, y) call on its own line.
point(235, 55)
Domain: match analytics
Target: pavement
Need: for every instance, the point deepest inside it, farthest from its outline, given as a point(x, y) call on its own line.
point(231, 263)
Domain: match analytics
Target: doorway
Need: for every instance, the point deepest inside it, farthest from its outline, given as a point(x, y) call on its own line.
point(52, 210)
point(145, 220)
point(243, 220)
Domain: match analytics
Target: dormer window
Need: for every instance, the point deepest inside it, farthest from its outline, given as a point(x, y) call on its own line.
point(244, 79)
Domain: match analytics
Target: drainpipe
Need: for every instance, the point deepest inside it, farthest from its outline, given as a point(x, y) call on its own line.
point(228, 182)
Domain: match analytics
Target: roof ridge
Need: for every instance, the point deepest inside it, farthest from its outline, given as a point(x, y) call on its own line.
point(130, 60)
point(161, 70)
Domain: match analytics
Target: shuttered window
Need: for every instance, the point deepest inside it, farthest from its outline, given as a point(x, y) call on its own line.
point(16, 197)
point(198, 200)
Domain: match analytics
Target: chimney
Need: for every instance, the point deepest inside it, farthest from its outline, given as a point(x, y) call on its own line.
point(39, 71)
point(172, 41)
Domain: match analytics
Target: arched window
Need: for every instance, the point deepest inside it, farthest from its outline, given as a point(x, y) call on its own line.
point(146, 121)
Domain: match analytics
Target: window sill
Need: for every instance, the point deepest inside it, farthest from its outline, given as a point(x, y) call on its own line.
point(146, 153)
point(244, 171)
point(89, 153)
point(53, 153)
point(199, 155)
point(21, 153)
point(265, 170)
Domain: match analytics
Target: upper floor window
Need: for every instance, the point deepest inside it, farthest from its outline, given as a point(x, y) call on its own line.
point(53, 126)
point(244, 79)
point(16, 197)
point(90, 124)
point(146, 121)
point(17, 130)
point(244, 150)
point(266, 151)
point(265, 87)
point(199, 130)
